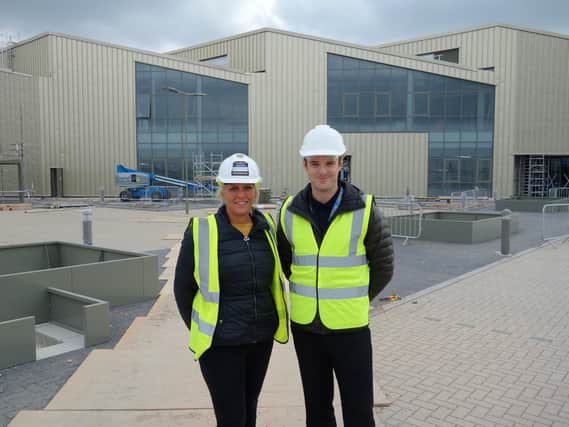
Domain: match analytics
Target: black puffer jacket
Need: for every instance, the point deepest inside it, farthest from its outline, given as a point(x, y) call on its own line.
point(247, 312)
point(379, 248)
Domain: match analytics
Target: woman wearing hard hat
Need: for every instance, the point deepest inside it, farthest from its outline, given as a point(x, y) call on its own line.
point(229, 291)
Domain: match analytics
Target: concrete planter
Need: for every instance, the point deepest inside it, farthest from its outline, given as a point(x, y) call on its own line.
point(68, 284)
point(463, 227)
point(526, 204)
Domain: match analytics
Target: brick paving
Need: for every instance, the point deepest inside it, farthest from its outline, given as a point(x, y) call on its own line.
point(490, 349)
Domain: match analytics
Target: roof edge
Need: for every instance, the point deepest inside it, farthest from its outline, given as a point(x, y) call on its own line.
point(117, 46)
point(220, 40)
point(471, 29)
point(331, 41)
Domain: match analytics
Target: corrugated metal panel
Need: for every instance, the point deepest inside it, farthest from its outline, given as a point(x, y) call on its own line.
point(387, 164)
point(87, 107)
point(245, 53)
point(33, 57)
point(18, 124)
point(542, 95)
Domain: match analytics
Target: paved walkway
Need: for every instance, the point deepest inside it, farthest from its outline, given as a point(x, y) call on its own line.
point(490, 349)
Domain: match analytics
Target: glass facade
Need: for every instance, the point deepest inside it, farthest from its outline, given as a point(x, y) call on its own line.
point(365, 96)
point(172, 127)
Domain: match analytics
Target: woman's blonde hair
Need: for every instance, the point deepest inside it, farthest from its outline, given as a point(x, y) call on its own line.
point(220, 198)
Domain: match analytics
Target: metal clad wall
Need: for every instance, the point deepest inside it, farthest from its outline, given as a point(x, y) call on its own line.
point(87, 107)
point(542, 88)
point(18, 124)
point(290, 98)
point(33, 58)
point(387, 164)
point(487, 47)
point(245, 53)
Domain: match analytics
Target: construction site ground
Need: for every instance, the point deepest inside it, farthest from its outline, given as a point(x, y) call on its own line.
point(478, 339)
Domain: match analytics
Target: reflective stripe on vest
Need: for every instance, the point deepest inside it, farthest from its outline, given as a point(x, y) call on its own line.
point(205, 307)
point(203, 326)
point(323, 293)
point(332, 278)
point(204, 266)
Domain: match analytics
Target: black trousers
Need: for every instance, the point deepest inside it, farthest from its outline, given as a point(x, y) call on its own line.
point(234, 376)
point(349, 357)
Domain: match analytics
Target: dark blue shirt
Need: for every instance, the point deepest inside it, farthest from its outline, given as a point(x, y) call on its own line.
point(321, 212)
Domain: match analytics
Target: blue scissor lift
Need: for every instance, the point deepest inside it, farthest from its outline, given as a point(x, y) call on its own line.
point(137, 184)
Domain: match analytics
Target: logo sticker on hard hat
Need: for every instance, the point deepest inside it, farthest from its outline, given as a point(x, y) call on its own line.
point(240, 168)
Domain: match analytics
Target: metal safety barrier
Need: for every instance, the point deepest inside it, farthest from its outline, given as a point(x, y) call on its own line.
point(154, 198)
point(555, 222)
point(405, 217)
point(468, 199)
point(560, 192)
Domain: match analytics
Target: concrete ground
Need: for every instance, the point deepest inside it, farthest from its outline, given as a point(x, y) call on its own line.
point(458, 354)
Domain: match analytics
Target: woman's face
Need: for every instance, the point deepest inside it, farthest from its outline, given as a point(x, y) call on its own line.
point(238, 198)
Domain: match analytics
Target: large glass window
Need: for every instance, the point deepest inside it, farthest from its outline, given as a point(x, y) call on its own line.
point(173, 125)
point(365, 96)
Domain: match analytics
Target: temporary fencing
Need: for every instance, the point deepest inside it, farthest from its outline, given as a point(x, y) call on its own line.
point(561, 192)
point(469, 199)
point(405, 217)
point(555, 222)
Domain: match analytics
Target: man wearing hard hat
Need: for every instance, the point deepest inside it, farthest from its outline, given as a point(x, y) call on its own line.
point(337, 254)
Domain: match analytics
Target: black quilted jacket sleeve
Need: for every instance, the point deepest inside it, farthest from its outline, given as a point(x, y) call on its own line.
point(379, 250)
point(185, 286)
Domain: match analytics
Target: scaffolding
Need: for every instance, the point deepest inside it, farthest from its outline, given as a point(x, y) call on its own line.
point(205, 173)
point(533, 176)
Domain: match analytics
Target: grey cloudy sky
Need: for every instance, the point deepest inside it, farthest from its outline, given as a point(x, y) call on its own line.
point(170, 24)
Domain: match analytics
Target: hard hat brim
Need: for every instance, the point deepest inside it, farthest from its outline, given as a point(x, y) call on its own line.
point(240, 180)
point(311, 153)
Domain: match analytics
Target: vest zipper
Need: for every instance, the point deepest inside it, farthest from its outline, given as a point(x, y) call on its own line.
point(253, 272)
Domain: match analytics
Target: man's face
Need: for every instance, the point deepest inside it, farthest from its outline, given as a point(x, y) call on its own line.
point(323, 172)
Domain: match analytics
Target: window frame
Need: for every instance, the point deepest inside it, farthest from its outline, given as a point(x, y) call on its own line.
point(377, 95)
point(344, 97)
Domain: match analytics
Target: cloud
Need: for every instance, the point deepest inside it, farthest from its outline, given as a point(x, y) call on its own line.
point(169, 24)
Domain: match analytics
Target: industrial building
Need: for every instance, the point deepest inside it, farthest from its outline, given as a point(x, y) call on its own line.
point(486, 107)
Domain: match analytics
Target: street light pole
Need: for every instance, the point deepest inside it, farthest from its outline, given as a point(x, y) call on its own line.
point(185, 95)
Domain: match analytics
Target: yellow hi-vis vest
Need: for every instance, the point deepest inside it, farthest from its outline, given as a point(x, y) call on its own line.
point(205, 307)
point(332, 278)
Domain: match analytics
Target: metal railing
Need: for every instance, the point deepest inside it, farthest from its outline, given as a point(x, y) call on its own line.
point(9, 194)
point(469, 199)
point(555, 222)
point(405, 217)
point(153, 198)
point(560, 192)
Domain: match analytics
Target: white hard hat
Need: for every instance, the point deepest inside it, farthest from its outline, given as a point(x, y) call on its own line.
point(239, 169)
point(322, 141)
